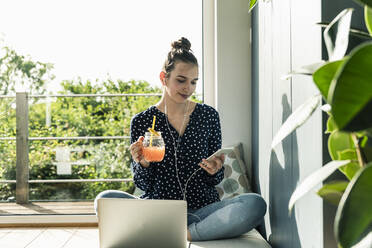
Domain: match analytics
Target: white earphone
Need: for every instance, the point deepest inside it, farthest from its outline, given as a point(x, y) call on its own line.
point(176, 148)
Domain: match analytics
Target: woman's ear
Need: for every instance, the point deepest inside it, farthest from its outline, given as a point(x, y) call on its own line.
point(162, 77)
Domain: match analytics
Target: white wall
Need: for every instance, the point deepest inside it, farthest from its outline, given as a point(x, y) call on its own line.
point(286, 37)
point(227, 56)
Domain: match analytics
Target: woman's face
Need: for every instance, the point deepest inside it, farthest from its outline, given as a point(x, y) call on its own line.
point(181, 82)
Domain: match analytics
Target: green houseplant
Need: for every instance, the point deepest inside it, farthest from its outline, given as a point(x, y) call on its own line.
point(345, 85)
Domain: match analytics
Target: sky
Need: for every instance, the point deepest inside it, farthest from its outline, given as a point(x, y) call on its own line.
point(125, 39)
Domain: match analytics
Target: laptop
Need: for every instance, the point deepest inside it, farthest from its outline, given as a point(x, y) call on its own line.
point(137, 223)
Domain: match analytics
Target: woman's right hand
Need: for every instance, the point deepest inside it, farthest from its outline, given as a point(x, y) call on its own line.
point(136, 150)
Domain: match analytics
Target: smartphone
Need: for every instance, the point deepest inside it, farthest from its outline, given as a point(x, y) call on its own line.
point(221, 151)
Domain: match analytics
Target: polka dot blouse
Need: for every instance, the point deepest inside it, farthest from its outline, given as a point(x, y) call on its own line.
point(202, 137)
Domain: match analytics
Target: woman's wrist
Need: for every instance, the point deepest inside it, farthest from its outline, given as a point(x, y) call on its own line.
point(144, 163)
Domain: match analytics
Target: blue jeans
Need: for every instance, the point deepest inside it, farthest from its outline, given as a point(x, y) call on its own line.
point(224, 219)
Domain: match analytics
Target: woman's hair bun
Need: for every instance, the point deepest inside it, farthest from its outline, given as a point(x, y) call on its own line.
point(180, 52)
point(182, 43)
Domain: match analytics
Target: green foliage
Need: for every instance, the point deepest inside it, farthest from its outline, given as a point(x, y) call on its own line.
point(351, 105)
point(333, 191)
point(354, 216)
point(365, 2)
point(297, 118)
point(76, 116)
point(339, 141)
point(252, 4)
point(368, 18)
point(331, 126)
point(314, 179)
point(351, 168)
point(323, 76)
point(346, 86)
point(18, 68)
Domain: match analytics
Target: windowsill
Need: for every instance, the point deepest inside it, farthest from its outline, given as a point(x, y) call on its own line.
point(48, 214)
point(48, 220)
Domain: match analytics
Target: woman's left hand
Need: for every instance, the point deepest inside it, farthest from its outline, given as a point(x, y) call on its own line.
point(213, 165)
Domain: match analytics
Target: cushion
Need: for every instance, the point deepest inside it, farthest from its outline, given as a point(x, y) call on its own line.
point(251, 239)
point(235, 180)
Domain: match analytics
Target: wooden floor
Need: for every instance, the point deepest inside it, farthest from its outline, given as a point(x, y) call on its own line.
point(47, 208)
point(44, 236)
point(80, 237)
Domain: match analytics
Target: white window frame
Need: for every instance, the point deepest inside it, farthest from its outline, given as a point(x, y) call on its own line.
point(227, 68)
point(209, 61)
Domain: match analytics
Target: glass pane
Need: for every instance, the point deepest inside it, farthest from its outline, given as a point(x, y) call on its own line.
point(79, 47)
point(103, 159)
point(7, 148)
point(82, 159)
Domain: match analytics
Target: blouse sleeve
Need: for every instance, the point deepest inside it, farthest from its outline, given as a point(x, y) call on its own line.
point(214, 143)
point(142, 176)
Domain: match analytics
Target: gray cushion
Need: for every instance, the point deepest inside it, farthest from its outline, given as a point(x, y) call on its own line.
point(235, 181)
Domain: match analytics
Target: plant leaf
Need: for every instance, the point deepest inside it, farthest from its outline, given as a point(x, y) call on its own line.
point(363, 141)
point(368, 18)
point(338, 142)
point(354, 213)
point(369, 132)
point(351, 168)
point(252, 4)
point(324, 76)
point(353, 31)
point(337, 50)
point(365, 2)
point(307, 70)
point(314, 179)
point(367, 149)
point(296, 119)
point(331, 126)
point(365, 242)
point(333, 191)
point(350, 94)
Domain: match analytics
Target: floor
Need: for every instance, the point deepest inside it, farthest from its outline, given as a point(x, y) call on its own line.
point(56, 237)
point(16, 236)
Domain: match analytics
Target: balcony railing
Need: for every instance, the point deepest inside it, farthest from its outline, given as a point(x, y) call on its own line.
point(22, 143)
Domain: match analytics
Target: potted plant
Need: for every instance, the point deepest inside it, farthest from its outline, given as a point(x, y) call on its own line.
point(345, 85)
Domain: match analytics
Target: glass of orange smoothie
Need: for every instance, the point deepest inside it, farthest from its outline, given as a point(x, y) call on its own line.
point(153, 148)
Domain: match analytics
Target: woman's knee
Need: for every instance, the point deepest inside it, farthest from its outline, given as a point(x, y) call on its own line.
point(111, 194)
point(254, 203)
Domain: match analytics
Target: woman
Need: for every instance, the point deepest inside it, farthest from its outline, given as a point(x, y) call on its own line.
point(191, 132)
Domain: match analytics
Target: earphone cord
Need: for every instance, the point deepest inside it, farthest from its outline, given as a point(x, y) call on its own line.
point(175, 151)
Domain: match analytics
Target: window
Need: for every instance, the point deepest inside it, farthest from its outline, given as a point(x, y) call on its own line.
point(95, 47)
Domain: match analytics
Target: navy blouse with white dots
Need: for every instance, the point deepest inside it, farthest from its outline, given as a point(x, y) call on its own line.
point(202, 137)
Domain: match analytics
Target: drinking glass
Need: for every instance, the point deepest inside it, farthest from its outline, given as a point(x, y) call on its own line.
point(153, 150)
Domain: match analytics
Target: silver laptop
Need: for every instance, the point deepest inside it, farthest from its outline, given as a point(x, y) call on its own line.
point(135, 223)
